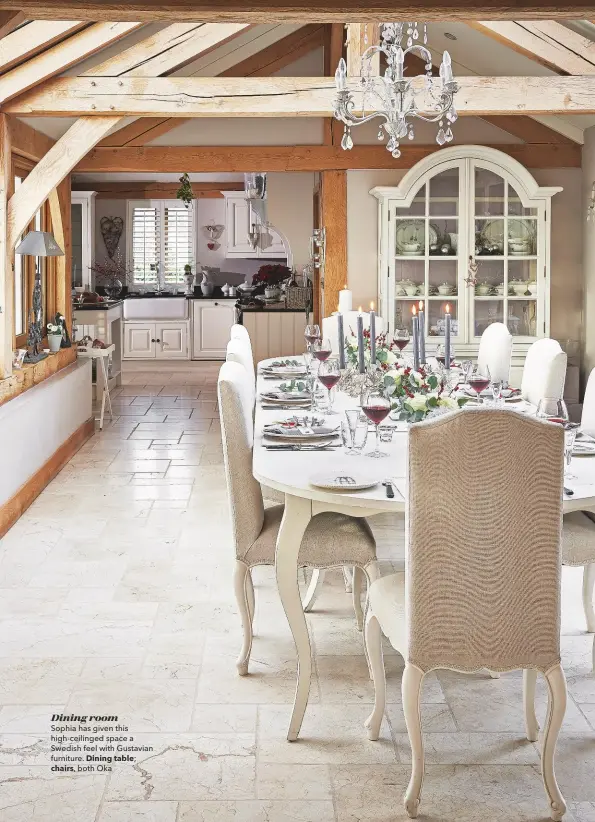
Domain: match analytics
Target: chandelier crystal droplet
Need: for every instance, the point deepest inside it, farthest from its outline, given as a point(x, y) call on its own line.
point(393, 97)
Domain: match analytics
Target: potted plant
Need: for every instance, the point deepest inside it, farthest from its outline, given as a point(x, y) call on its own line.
point(268, 279)
point(54, 337)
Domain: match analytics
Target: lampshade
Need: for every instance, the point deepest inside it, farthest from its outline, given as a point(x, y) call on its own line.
point(39, 244)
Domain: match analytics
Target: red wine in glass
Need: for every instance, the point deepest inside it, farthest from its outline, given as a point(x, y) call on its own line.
point(322, 354)
point(479, 384)
point(442, 359)
point(329, 380)
point(376, 413)
point(311, 338)
point(401, 344)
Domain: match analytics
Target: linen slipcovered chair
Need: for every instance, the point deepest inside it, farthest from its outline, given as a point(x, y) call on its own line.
point(239, 332)
point(495, 351)
point(481, 588)
point(240, 352)
point(578, 535)
point(330, 326)
point(331, 540)
point(544, 372)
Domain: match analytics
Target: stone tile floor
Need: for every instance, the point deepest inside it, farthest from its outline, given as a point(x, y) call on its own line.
point(116, 597)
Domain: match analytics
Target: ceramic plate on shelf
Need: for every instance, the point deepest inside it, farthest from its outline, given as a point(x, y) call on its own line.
point(412, 233)
point(343, 482)
point(493, 233)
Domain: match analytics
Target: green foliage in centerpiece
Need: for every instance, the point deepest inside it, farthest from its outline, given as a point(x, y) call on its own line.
point(387, 351)
point(294, 385)
point(415, 394)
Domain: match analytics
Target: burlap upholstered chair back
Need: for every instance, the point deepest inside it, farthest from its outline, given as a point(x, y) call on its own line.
point(483, 542)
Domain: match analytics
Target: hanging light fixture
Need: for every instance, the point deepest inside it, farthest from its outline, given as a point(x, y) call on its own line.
point(255, 190)
point(393, 97)
point(591, 206)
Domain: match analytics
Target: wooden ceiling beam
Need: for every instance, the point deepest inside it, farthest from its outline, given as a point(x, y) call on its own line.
point(271, 59)
point(146, 190)
point(528, 129)
point(304, 11)
point(9, 20)
point(171, 48)
point(333, 51)
point(549, 43)
point(219, 159)
point(60, 57)
point(360, 36)
point(33, 37)
point(28, 142)
point(282, 96)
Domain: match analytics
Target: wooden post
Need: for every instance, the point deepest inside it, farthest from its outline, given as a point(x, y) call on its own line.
point(59, 201)
point(6, 267)
point(357, 35)
point(334, 220)
point(333, 51)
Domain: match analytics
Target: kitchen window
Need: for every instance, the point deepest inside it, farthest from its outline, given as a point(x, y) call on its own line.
point(161, 241)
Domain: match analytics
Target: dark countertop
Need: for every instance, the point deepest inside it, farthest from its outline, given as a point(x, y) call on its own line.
point(273, 307)
point(105, 306)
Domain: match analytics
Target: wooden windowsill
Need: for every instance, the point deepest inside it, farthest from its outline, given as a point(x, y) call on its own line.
point(33, 374)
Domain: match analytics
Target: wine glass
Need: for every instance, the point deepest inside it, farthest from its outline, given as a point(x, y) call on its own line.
point(376, 406)
point(322, 349)
point(440, 355)
point(329, 375)
point(402, 337)
point(555, 410)
point(312, 334)
point(479, 380)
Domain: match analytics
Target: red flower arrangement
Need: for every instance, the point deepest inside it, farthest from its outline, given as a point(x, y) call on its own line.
point(271, 274)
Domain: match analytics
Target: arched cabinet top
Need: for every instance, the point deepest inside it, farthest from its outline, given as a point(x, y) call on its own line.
point(490, 158)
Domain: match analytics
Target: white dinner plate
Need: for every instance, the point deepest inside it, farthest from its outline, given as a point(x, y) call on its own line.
point(583, 449)
point(339, 482)
point(298, 397)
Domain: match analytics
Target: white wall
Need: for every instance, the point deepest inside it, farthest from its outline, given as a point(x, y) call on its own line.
point(566, 249)
point(35, 424)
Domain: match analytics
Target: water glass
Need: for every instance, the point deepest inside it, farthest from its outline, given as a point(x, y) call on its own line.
point(354, 439)
point(552, 409)
point(385, 432)
point(496, 387)
point(570, 431)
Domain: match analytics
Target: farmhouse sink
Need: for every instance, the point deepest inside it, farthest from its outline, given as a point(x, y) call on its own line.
point(156, 308)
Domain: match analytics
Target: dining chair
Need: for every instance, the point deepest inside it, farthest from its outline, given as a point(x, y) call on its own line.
point(240, 332)
point(495, 352)
point(238, 351)
point(331, 540)
point(481, 587)
point(330, 326)
point(544, 373)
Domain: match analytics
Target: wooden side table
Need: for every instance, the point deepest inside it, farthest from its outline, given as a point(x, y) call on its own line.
point(101, 354)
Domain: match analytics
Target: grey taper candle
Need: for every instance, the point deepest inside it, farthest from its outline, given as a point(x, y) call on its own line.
point(360, 343)
point(341, 335)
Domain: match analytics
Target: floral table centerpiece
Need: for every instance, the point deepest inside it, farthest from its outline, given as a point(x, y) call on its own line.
point(415, 394)
point(387, 351)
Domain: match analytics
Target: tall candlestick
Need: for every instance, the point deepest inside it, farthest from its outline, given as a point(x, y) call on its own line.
point(372, 335)
point(422, 333)
point(447, 330)
point(360, 342)
point(341, 335)
point(345, 300)
point(415, 324)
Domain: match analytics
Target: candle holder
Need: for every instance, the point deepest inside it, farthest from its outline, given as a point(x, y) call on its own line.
point(355, 384)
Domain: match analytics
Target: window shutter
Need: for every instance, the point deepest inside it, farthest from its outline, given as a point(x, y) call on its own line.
point(145, 243)
point(177, 240)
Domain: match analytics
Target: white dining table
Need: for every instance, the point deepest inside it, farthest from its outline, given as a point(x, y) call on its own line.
point(290, 471)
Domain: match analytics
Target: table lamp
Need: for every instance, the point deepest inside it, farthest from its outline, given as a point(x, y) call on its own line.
point(37, 244)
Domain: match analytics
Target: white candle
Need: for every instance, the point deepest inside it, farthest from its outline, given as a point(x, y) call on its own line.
point(422, 333)
point(345, 300)
point(372, 334)
point(415, 324)
point(447, 329)
point(360, 342)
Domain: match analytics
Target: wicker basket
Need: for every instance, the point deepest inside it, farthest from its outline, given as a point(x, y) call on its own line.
point(298, 296)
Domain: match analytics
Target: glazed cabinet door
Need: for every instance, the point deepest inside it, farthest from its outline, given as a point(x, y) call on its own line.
point(238, 218)
point(139, 341)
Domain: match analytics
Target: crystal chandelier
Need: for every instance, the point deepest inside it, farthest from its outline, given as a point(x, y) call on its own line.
point(396, 98)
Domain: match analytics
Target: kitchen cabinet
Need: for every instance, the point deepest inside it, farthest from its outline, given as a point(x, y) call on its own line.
point(156, 341)
point(239, 219)
point(468, 227)
point(211, 328)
